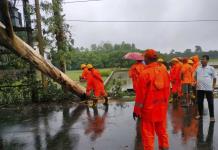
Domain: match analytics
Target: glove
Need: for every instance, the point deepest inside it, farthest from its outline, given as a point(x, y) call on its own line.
point(134, 116)
point(136, 112)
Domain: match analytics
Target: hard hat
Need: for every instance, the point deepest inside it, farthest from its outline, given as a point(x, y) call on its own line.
point(160, 60)
point(82, 66)
point(174, 59)
point(89, 66)
point(150, 53)
point(190, 61)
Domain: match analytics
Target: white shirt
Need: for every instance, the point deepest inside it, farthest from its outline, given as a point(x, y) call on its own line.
point(205, 76)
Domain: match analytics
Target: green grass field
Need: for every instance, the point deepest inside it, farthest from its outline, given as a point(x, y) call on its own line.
point(214, 60)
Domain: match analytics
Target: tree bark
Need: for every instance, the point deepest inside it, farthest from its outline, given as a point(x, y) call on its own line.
point(59, 31)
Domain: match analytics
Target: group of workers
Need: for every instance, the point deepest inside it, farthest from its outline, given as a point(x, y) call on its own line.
point(152, 84)
point(94, 83)
point(182, 76)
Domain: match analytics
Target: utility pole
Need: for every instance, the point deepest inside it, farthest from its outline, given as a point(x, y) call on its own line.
point(32, 75)
point(40, 38)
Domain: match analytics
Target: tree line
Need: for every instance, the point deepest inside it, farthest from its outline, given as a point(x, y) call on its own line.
point(107, 55)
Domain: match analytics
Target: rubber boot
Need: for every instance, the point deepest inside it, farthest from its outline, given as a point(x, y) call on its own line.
point(164, 148)
point(106, 101)
point(95, 101)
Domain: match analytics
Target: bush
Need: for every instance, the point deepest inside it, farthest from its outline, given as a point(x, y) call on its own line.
point(105, 73)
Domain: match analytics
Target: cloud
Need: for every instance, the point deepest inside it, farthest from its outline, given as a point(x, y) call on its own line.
point(162, 36)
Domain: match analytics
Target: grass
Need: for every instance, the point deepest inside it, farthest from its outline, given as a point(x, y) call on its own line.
point(214, 60)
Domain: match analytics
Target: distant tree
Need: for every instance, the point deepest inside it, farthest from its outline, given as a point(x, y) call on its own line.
point(172, 51)
point(94, 47)
point(198, 49)
point(107, 46)
point(188, 52)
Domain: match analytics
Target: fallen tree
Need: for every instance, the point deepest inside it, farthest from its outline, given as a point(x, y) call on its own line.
point(10, 40)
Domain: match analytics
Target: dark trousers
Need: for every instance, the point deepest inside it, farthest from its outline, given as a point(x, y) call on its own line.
point(200, 98)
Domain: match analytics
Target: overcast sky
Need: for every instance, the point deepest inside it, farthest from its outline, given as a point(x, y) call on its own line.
point(161, 36)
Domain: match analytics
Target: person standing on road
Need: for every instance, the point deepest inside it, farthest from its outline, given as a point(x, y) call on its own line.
point(175, 77)
point(186, 78)
point(151, 102)
point(206, 82)
point(134, 72)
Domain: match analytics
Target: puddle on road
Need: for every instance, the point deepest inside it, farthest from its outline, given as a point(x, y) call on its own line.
point(82, 128)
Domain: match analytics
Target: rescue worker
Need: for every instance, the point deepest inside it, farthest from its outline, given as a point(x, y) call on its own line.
point(175, 77)
point(196, 63)
point(151, 102)
point(134, 72)
point(193, 84)
point(95, 83)
point(186, 77)
point(85, 72)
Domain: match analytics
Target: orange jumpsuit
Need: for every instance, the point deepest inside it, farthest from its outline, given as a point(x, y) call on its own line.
point(151, 104)
point(196, 62)
point(85, 73)
point(195, 66)
point(95, 83)
point(135, 71)
point(175, 77)
point(187, 74)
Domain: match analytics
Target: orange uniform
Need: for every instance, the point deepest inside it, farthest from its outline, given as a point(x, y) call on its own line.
point(135, 71)
point(187, 74)
point(85, 73)
point(196, 62)
point(151, 104)
point(175, 77)
point(195, 66)
point(95, 83)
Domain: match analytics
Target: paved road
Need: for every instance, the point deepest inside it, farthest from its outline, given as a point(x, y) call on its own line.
point(72, 127)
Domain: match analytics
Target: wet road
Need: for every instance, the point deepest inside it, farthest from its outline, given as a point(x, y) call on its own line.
point(81, 128)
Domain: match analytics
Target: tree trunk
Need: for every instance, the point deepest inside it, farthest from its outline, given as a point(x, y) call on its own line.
point(32, 75)
point(40, 39)
point(59, 31)
point(28, 53)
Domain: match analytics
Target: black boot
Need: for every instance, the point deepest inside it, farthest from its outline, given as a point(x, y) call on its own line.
point(106, 101)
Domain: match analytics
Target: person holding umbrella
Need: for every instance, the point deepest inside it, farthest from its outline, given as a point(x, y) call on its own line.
point(136, 68)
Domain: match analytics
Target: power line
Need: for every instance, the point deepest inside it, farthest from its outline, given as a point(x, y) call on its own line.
point(71, 2)
point(143, 21)
point(67, 2)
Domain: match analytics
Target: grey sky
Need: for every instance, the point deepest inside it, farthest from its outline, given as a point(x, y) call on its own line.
point(161, 36)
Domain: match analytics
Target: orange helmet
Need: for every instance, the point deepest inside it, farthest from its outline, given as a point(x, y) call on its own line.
point(150, 53)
